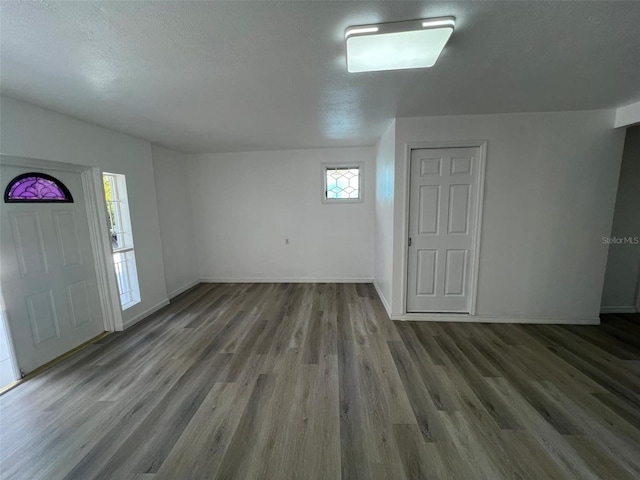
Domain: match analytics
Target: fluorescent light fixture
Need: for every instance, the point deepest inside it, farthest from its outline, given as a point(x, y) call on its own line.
point(447, 22)
point(396, 46)
point(356, 30)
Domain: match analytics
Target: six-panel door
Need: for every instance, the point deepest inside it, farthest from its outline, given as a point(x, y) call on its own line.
point(441, 229)
point(48, 276)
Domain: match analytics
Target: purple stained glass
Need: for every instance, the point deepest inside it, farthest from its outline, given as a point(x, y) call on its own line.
point(37, 187)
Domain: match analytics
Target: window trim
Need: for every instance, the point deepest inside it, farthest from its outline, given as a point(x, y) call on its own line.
point(342, 165)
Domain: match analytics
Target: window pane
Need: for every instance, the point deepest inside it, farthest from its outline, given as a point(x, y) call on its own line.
point(125, 267)
point(343, 183)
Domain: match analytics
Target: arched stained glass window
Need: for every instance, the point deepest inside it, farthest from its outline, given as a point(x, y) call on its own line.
point(35, 187)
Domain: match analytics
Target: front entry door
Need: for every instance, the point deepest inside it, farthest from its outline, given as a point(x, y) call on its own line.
point(47, 274)
point(442, 205)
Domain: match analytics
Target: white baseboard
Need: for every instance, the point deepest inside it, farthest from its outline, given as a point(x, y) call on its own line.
point(183, 289)
point(284, 280)
point(141, 316)
point(625, 309)
point(383, 299)
point(463, 318)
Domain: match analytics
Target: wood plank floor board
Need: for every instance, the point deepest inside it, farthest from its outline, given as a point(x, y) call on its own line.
point(554, 443)
point(598, 460)
point(602, 377)
point(399, 409)
point(423, 408)
point(426, 338)
point(493, 405)
point(109, 442)
point(442, 399)
point(419, 460)
point(236, 458)
point(484, 434)
point(627, 324)
point(612, 346)
point(199, 451)
point(537, 358)
point(147, 447)
point(313, 381)
point(532, 456)
point(481, 364)
point(619, 447)
point(592, 355)
point(620, 407)
point(521, 379)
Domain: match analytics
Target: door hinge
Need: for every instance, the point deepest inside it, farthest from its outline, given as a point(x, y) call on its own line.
point(409, 241)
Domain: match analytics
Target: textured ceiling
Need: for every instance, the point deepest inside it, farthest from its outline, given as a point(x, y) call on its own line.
point(233, 76)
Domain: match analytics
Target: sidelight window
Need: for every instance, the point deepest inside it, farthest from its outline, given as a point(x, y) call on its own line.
point(119, 223)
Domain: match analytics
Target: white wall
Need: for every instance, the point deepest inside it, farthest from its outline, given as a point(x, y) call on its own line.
point(628, 115)
point(176, 220)
point(33, 132)
point(385, 169)
point(623, 264)
point(245, 204)
point(551, 183)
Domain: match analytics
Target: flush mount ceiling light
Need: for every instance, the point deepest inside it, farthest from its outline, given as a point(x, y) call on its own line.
point(396, 46)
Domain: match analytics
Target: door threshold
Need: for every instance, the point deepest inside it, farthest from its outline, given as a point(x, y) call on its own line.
point(52, 363)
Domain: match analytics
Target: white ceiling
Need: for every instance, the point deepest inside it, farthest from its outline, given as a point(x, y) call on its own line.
point(233, 76)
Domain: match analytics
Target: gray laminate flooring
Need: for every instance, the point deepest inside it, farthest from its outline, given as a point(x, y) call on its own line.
point(306, 381)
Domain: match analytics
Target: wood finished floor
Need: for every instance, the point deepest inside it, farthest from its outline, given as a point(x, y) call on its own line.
point(307, 381)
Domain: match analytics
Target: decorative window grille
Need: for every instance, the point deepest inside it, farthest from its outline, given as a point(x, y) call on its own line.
point(342, 183)
point(119, 223)
point(35, 187)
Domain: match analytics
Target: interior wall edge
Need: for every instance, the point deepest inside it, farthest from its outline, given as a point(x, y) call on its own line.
point(141, 316)
point(383, 299)
point(183, 288)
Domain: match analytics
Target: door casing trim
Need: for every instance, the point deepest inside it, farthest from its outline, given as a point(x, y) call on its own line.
point(481, 145)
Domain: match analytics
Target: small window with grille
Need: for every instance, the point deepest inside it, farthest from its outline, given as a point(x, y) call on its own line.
point(342, 183)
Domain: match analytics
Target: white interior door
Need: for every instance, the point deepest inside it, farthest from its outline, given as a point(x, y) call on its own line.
point(47, 273)
point(442, 207)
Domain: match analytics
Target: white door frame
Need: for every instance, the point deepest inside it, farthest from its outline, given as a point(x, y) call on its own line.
point(96, 215)
point(481, 145)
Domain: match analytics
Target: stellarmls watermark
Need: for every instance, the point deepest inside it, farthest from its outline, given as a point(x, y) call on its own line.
point(621, 240)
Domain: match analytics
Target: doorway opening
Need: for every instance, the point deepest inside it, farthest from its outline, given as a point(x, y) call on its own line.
point(621, 292)
point(57, 282)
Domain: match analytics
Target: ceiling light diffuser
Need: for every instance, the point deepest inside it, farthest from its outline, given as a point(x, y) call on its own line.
point(397, 46)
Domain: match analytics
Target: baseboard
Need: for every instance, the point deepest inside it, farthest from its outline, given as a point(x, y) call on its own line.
point(383, 299)
point(284, 280)
point(463, 318)
point(183, 289)
point(629, 309)
point(145, 314)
